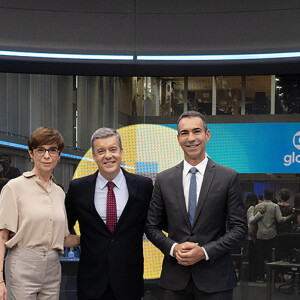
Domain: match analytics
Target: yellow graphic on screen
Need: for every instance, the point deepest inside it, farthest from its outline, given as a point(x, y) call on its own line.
point(147, 150)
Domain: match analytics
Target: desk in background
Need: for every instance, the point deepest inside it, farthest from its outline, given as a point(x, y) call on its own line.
point(278, 265)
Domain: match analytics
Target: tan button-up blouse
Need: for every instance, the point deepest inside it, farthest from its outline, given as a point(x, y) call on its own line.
point(35, 215)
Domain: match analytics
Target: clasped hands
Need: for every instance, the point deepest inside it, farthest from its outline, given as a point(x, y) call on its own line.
point(188, 253)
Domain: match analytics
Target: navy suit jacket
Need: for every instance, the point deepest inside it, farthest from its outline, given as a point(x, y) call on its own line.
point(220, 224)
point(110, 257)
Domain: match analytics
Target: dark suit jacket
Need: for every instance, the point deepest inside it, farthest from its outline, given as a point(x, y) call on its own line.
point(219, 207)
point(116, 257)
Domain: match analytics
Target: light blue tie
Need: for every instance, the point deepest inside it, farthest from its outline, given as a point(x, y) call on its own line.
point(192, 196)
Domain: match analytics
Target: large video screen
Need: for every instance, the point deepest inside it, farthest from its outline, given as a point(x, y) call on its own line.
point(255, 147)
point(248, 148)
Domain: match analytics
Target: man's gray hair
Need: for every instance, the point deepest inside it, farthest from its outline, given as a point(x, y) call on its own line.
point(104, 132)
point(192, 113)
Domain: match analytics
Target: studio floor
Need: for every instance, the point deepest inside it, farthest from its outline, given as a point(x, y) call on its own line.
point(244, 291)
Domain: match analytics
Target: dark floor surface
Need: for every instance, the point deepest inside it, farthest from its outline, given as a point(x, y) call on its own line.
point(244, 291)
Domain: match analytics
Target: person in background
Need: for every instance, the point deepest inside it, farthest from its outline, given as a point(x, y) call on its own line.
point(286, 210)
point(250, 202)
point(33, 224)
point(8, 171)
point(266, 231)
point(3, 182)
point(296, 221)
point(260, 198)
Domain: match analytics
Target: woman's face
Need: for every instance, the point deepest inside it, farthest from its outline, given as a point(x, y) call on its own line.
point(45, 157)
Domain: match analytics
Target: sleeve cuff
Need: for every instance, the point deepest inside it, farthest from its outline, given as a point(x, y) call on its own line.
point(172, 249)
point(206, 255)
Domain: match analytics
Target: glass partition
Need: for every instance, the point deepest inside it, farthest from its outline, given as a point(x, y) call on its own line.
point(287, 94)
point(200, 93)
point(258, 94)
point(229, 91)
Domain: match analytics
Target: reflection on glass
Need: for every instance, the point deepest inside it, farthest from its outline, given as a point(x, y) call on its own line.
point(229, 95)
point(258, 94)
point(172, 96)
point(287, 94)
point(200, 94)
point(157, 96)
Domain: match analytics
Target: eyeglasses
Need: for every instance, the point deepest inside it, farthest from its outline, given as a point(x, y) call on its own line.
point(52, 151)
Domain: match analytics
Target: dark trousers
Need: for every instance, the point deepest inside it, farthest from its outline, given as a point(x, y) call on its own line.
point(192, 293)
point(264, 253)
point(253, 266)
point(108, 295)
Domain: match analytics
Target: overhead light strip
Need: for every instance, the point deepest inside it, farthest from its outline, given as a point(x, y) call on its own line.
point(219, 57)
point(65, 55)
point(151, 57)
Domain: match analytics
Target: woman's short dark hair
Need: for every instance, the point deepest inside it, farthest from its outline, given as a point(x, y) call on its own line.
point(251, 200)
point(285, 194)
point(45, 136)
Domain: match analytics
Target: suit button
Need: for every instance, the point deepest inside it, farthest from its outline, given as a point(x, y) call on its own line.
point(112, 240)
point(191, 234)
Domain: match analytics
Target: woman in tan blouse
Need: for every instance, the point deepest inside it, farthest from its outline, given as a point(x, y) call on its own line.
point(33, 224)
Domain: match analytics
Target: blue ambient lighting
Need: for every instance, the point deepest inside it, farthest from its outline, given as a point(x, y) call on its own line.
point(220, 57)
point(66, 55)
point(19, 146)
point(7, 144)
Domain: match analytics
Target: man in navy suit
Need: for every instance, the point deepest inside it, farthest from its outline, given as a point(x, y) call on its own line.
point(111, 208)
point(199, 203)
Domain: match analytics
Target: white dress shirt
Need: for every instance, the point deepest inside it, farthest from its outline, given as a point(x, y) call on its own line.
point(120, 190)
point(186, 178)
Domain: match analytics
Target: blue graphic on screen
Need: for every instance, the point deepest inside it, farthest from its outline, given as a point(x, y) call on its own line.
point(146, 167)
point(255, 147)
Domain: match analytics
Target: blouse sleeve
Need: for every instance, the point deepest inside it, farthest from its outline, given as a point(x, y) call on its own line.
point(9, 209)
point(252, 217)
point(67, 232)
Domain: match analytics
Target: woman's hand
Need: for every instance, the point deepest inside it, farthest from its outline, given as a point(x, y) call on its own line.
point(3, 291)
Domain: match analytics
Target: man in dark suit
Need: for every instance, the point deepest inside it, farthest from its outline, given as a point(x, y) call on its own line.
point(199, 204)
point(111, 208)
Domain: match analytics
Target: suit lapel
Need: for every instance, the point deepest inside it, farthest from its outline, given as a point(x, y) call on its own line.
point(206, 183)
point(130, 181)
point(91, 182)
point(177, 183)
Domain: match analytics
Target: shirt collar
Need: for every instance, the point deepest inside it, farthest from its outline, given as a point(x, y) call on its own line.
point(29, 174)
point(200, 167)
point(117, 180)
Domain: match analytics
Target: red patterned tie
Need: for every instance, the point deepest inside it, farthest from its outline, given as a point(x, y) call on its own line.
point(111, 207)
